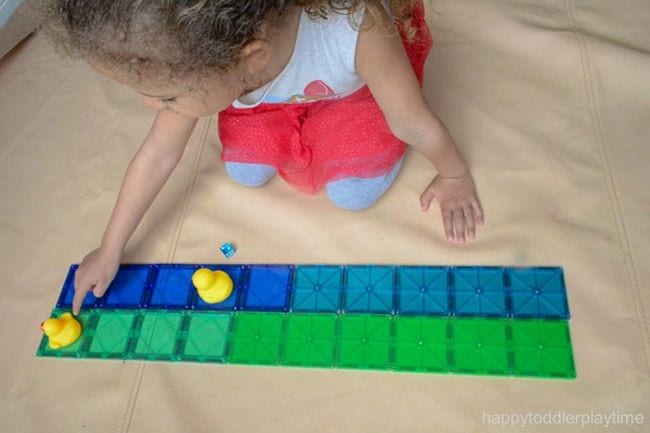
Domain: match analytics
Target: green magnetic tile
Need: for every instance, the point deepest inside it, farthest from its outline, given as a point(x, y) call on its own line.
point(364, 341)
point(206, 337)
point(421, 343)
point(111, 335)
point(543, 362)
point(256, 338)
point(73, 350)
point(310, 340)
point(426, 344)
point(542, 348)
point(533, 332)
point(158, 334)
point(479, 346)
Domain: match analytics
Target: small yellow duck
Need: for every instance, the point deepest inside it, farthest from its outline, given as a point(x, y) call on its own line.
point(62, 331)
point(212, 286)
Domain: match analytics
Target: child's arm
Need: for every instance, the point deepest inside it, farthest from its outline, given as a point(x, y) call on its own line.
point(382, 63)
point(147, 173)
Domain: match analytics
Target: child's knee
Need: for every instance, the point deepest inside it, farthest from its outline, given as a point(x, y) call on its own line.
point(356, 193)
point(349, 198)
point(249, 174)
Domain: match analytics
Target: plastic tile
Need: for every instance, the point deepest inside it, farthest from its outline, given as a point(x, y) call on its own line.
point(317, 288)
point(479, 292)
point(111, 334)
point(172, 287)
point(542, 348)
point(268, 287)
point(127, 289)
point(158, 335)
point(403, 290)
point(207, 336)
point(479, 346)
point(423, 291)
point(369, 289)
point(519, 347)
point(67, 293)
point(510, 320)
point(421, 344)
point(256, 338)
point(364, 341)
point(235, 272)
point(539, 293)
point(310, 340)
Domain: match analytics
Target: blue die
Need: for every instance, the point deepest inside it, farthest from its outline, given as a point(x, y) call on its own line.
point(228, 250)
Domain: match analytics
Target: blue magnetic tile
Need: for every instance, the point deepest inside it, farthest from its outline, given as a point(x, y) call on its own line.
point(423, 290)
point(67, 293)
point(317, 288)
point(538, 293)
point(172, 287)
point(479, 291)
point(268, 287)
point(369, 289)
point(235, 272)
point(127, 288)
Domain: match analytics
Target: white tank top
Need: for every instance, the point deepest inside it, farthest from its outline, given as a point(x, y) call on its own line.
point(321, 67)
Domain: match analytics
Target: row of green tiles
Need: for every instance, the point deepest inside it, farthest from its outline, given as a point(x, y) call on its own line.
point(517, 347)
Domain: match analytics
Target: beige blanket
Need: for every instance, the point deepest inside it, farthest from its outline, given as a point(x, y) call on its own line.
point(550, 103)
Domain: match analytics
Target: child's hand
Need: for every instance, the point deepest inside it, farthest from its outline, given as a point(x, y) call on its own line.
point(96, 272)
point(461, 210)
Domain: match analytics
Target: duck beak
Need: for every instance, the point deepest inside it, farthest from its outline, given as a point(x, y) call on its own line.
point(42, 326)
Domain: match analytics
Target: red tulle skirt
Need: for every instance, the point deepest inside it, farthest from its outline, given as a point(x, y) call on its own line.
point(311, 144)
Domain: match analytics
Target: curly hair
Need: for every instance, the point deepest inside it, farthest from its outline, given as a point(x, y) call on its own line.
point(166, 39)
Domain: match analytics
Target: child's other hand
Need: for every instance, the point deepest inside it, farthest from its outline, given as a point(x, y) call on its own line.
point(461, 210)
point(96, 272)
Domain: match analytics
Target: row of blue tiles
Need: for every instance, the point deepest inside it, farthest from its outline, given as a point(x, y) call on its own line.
point(537, 292)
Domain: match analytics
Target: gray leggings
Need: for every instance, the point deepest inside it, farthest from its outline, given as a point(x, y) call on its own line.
point(352, 193)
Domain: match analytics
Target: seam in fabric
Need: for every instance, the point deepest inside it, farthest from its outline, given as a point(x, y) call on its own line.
point(643, 320)
point(133, 397)
point(137, 379)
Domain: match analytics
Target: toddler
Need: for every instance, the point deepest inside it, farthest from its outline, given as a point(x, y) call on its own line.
point(323, 93)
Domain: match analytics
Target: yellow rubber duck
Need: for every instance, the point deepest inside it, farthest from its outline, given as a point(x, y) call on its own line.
point(212, 286)
point(62, 331)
